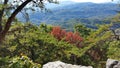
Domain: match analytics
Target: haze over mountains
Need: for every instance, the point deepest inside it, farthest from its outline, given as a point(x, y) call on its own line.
point(69, 10)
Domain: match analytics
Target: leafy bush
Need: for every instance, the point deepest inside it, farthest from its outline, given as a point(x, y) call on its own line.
point(23, 62)
point(114, 50)
point(18, 62)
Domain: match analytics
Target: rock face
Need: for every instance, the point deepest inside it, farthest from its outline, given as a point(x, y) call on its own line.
point(59, 64)
point(112, 63)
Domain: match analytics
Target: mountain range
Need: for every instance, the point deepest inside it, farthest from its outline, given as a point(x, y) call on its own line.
point(67, 11)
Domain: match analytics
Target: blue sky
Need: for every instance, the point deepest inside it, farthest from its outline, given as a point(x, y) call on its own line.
point(95, 1)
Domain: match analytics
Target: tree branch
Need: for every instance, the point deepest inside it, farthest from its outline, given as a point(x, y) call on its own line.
point(10, 19)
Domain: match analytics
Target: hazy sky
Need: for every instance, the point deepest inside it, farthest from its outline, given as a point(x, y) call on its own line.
point(95, 1)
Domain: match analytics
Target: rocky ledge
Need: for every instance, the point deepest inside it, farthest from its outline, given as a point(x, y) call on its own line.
point(112, 63)
point(59, 64)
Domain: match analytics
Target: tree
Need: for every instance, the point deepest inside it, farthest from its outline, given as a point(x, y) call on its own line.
point(4, 4)
point(70, 37)
point(39, 45)
point(74, 38)
point(84, 31)
point(58, 33)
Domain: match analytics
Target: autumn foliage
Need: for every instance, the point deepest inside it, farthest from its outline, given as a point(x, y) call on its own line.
point(74, 38)
point(70, 37)
point(58, 33)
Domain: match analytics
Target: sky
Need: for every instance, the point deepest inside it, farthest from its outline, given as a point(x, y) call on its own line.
point(94, 1)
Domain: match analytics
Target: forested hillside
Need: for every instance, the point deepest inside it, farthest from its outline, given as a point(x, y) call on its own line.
point(76, 11)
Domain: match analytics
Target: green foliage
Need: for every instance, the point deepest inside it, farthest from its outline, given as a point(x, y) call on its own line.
point(41, 47)
point(116, 19)
point(45, 28)
point(18, 62)
point(38, 44)
point(84, 31)
point(114, 50)
point(23, 62)
point(96, 45)
point(85, 60)
point(1, 6)
point(4, 62)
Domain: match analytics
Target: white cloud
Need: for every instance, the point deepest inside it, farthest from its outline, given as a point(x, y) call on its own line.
point(95, 1)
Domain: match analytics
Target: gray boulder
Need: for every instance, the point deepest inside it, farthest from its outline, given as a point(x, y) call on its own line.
point(59, 64)
point(112, 63)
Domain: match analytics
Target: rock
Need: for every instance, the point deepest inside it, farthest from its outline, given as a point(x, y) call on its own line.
point(59, 64)
point(112, 63)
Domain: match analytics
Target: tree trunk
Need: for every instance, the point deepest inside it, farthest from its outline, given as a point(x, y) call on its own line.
point(1, 14)
point(11, 18)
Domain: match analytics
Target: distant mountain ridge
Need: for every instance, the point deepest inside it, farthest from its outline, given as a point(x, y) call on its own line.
point(76, 11)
